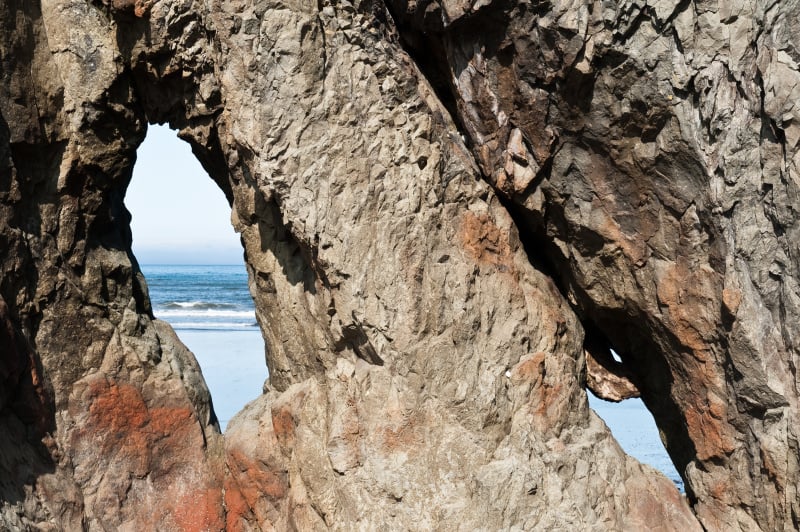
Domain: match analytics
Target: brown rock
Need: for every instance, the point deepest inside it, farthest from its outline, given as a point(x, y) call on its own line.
point(609, 379)
point(425, 371)
point(666, 206)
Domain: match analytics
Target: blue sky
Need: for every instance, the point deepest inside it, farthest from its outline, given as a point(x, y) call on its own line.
point(180, 216)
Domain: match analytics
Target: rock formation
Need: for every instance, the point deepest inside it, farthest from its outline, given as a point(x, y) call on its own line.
point(447, 209)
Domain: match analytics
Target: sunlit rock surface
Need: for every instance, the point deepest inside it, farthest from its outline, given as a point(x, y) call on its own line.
point(444, 207)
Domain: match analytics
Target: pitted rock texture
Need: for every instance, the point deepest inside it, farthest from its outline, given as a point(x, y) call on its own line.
point(649, 150)
point(432, 199)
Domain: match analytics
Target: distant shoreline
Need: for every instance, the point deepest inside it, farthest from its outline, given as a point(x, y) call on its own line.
point(186, 264)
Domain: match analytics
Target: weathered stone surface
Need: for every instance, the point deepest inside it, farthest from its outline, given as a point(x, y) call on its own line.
point(416, 357)
point(404, 191)
point(650, 148)
point(110, 425)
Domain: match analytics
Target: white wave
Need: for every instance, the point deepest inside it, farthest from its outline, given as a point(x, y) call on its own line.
point(213, 325)
point(205, 313)
point(200, 305)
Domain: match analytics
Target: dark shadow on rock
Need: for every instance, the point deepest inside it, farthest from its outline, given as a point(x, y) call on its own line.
point(644, 362)
point(295, 259)
point(26, 414)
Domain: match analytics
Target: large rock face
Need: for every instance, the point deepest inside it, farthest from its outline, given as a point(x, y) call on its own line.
point(650, 152)
point(447, 209)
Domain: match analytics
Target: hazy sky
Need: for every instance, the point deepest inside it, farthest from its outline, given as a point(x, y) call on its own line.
point(180, 216)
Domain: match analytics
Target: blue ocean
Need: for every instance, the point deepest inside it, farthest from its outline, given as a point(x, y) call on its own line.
point(201, 297)
point(637, 434)
point(211, 310)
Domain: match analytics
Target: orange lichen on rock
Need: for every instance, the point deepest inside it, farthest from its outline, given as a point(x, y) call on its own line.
point(260, 481)
point(283, 425)
point(689, 295)
point(709, 429)
point(199, 510)
point(130, 441)
point(129, 428)
point(255, 491)
point(485, 242)
point(530, 369)
point(119, 414)
point(237, 510)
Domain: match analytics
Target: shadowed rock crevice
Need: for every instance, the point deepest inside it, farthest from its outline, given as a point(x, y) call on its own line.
point(611, 158)
point(643, 371)
point(639, 369)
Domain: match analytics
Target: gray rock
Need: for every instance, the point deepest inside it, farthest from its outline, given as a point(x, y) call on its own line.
point(435, 202)
point(664, 200)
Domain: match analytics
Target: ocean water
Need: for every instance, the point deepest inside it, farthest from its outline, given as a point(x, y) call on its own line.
point(633, 427)
point(201, 298)
point(211, 310)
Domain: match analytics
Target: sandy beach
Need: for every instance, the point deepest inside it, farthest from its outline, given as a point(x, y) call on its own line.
point(233, 365)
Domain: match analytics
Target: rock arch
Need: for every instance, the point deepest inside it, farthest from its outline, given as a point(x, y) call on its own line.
point(425, 367)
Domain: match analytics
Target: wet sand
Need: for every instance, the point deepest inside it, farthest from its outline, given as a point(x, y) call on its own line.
point(233, 365)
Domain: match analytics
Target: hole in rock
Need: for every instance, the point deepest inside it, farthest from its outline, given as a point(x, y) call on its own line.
point(192, 260)
point(630, 421)
point(633, 427)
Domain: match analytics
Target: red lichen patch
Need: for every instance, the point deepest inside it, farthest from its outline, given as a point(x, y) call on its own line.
point(118, 415)
point(283, 425)
point(261, 481)
point(485, 242)
point(406, 437)
point(237, 510)
point(693, 308)
point(199, 510)
point(254, 491)
point(708, 429)
point(124, 441)
point(164, 421)
point(143, 438)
